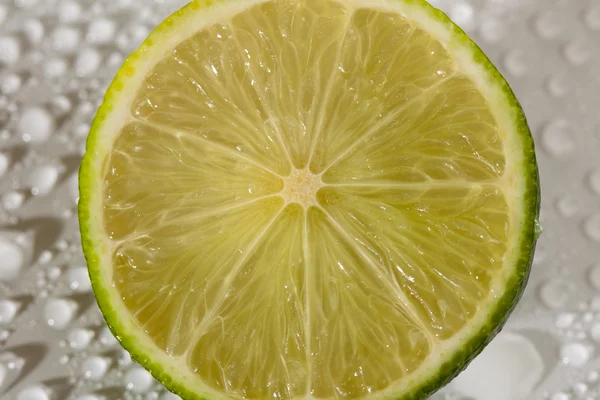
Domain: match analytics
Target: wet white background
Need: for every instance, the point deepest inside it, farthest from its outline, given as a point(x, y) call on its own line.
point(58, 56)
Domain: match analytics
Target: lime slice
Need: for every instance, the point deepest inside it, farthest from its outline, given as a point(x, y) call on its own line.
point(308, 199)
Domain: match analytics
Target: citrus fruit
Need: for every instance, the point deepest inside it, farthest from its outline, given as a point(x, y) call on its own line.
point(308, 199)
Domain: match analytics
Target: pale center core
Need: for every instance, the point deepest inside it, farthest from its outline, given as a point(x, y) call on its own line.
point(301, 187)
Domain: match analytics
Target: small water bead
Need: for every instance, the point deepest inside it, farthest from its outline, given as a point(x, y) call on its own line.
point(36, 125)
point(80, 338)
point(591, 16)
point(169, 396)
point(515, 63)
point(101, 31)
point(577, 52)
point(554, 293)
point(138, 380)
point(560, 396)
point(591, 227)
point(12, 260)
point(26, 3)
point(125, 359)
point(34, 393)
point(65, 39)
point(10, 84)
point(55, 67)
point(580, 388)
point(595, 332)
point(95, 367)
point(34, 30)
point(54, 273)
point(567, 205)
point(462, 14)
point(42, 179)
point(557, 138)
point(59, 313)
point(592, 376)
point(69, 11)
point(12, 200)
point(87, 62)
point(548, 24)
point(79, 280)
point(107, 338)
point(8, 311)
point(10, 50)
point(565, 320)
point(575, 354)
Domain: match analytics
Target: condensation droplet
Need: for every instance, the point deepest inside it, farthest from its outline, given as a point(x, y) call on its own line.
point(12, 260)
point(591, 227)
point(565, 320)
point(560, 396)
point(12, 200)
point(43, 179)
point(558, 86)
point(36, 125)
point(575, 354)
point(169, 396)
point(4, 164)
point(577, 52)
point(462, 14)
point(8, 310)
point(554, 293)
point(567, 205)
point(34, 393)
point(101, 31)
point(10, 50)
point(34, 30)
point(591, 17)
point(55, 67)
point(557, 138)
point(580, 388)
point(65, 39)
point(79, 339)
point(138, 380)
point(79, 279)
point(107, 338)
point(548, 25)
point(515, 63)
point(87, 62)
point(492, 30)
point(592, 376)
point(69, 11)
point(10, 84)
point(94, 368)
point(59, 313)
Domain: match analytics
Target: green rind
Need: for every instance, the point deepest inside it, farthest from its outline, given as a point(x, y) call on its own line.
point(461, 359)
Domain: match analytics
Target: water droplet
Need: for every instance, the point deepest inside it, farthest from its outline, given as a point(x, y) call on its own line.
point(43, 179)
point(577, 52)
point(492, 30)
point(8, 310)
point(79, 339)
point(10, 84)
point(37, 392)
point(557, 138)
point(565, 320)
point(592, 376)
point(12, 200)
point(101, 31)
point(36, 125)
point(88, 61)
point(125, 359)
point(591, 227)
point(12, 260)
point(94, 368)
point(548, 25)
point(61, 105)
point(79, 279)
point(580, 388)
point(554, 293)
point(595, 332)
point(138, 380)
point(560, 396)
point(515, 63)
point(45, 257)
point(510, 368)
point(65, 39)
point(558, 86)
point(575, 354)
point(54, 272)
point(55, 67)
point(4, 164)
point(59, 313)
point(592, 17)
point(69, 11)
point(567, 205)
point(107, 338)
point(34, 30)
point(10, 50)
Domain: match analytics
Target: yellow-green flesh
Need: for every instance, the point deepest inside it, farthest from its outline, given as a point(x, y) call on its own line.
point(307, 201)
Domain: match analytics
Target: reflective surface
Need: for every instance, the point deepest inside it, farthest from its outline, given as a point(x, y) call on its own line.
point(56, 59)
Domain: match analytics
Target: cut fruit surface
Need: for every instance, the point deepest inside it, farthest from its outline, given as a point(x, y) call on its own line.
point(308, 199)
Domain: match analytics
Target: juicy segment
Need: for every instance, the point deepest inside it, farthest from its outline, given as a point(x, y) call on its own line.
point(352, 291)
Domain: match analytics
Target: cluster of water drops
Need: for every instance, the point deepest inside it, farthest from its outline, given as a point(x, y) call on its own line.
point(56, 59)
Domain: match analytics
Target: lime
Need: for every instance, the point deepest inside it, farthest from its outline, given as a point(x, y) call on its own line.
point(308, 199)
